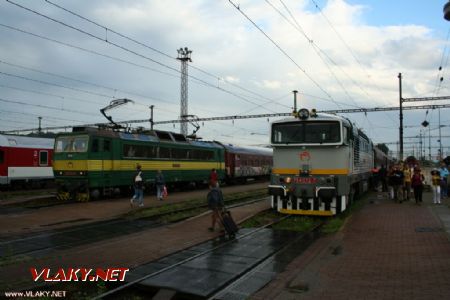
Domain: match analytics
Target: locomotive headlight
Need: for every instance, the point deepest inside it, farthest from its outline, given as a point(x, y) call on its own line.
point(288, 179)
point(303, 114)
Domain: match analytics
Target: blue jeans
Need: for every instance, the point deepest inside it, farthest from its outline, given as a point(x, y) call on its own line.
point(139, 195)
point(444, 188)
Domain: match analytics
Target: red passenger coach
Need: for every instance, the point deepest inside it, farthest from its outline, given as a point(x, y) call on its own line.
point(25, 159)
point(242, 163)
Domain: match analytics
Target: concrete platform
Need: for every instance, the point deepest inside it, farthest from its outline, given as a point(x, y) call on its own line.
point(386, 250)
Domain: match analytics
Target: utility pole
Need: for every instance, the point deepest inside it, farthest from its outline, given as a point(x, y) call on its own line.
point(184, 55)
point(151, 117)
point(40, 128)
point(401, 116)
point(429, 143)
point(420, 145)
point(440, 136)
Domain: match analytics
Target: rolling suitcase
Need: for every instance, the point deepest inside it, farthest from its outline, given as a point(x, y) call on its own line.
point(228, 223)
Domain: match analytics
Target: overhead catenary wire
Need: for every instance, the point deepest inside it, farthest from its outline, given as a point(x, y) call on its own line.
point(341, 38)
point(321, 52)
point(86, 50)
point(295, 24)
point(108, 29)
point(81, 81)
point(41, 115)
point(237, 117)
point(47, 107)
point(58, 85)
point(283, 51)
point(350, 51)
point(90, 83)
point(76, 89)
point(132, 52)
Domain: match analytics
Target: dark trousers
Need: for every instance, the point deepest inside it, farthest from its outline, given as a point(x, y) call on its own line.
point(384, 185)
point(396, 188)
point(418, 193)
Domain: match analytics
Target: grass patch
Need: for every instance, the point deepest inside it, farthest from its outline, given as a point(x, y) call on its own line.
point(296, 223)
point(292, 223)
point(261, 219)
point(333, 225)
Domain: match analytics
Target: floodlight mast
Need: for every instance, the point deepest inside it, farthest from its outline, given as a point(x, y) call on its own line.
point(184, 55)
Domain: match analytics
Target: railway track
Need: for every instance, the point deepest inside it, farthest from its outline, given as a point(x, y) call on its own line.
point(235, 276)
point(34, 246)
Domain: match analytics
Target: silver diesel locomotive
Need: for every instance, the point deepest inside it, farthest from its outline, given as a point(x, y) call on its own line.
point(320, 161)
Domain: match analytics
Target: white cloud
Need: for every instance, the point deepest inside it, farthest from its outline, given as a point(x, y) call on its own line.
point(225, 45)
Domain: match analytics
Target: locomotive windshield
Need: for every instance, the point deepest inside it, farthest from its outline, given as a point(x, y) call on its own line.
point(306, 133)
point(71, 144)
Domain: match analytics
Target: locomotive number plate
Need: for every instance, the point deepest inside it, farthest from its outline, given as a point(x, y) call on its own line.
point(305, 180)
point(70, 173)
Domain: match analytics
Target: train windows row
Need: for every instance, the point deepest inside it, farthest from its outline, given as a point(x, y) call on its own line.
point(141, 151)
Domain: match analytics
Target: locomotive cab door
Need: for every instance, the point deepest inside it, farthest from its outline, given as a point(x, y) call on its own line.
point(107, 165)
point(101, 156)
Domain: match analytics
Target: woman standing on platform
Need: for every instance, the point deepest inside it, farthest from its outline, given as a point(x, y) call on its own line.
point(417, 185)
point(406, 182)
point(436, 186)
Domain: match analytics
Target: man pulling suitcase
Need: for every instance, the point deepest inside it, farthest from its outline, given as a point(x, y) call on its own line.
point(219, 213)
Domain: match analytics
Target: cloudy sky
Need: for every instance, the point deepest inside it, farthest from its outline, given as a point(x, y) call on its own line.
point(338, 54)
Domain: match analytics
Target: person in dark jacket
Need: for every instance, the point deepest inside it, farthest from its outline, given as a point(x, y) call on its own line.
point(138, 180)
point(417, 185)
point(215, 203)
point(396, 181)
point(160, 184)
point(382, 174)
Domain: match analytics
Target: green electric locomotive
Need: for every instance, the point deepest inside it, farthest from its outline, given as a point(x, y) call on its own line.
point(92, 162)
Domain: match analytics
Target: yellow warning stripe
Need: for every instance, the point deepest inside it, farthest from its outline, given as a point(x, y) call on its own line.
point(128, 165)
point(306, 212)
point(312, 172)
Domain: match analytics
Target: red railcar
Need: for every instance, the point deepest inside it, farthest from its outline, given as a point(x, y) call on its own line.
point(242, 163)
point(25, 159)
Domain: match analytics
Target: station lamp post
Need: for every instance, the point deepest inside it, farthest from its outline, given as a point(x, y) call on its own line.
point(401, 116)
point(447, 11)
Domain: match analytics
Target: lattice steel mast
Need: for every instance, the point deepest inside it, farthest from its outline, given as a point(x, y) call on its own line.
point(184, 55)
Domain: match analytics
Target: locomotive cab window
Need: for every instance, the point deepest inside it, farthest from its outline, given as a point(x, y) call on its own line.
point(306, 132)
point(71, 144)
